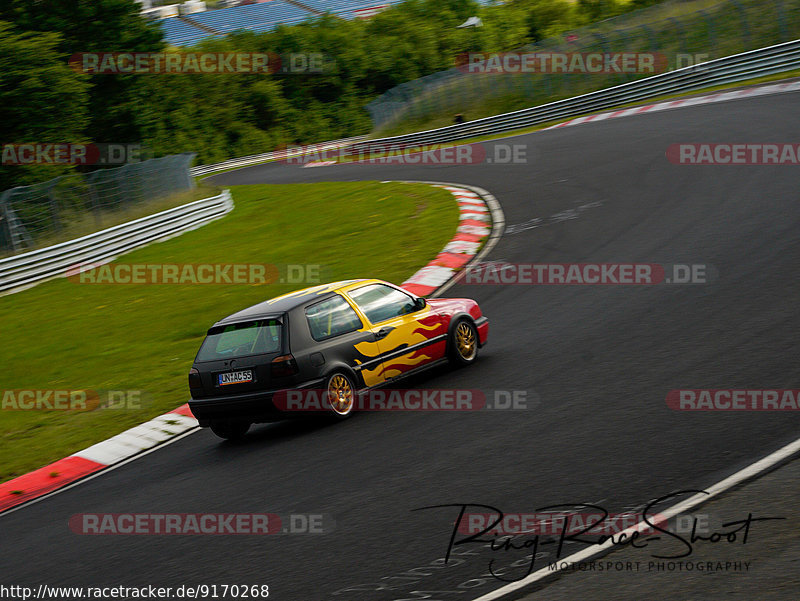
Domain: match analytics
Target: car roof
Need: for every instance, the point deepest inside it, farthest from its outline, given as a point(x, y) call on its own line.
point(292, 300)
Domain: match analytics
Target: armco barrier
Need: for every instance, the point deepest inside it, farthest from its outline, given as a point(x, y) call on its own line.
point(270, 156)
point(730, 69)
point(26, 269)
point(22, 271)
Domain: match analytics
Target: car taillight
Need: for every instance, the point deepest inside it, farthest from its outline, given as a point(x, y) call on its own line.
point(194, 378)
point(283, 366)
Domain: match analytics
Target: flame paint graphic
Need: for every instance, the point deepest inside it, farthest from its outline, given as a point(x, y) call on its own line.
point(428, 327)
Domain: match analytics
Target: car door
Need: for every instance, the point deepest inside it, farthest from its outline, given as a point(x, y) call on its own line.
point(408, 335)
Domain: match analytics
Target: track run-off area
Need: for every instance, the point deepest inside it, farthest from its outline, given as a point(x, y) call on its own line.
point(599, 361)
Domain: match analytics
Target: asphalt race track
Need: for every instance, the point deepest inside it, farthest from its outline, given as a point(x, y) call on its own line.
point(600, 358)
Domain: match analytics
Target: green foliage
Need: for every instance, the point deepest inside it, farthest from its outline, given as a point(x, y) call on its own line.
point(41, 99)
point(224, 115)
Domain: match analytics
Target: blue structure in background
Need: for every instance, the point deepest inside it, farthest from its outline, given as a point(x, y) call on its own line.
point(260, 17)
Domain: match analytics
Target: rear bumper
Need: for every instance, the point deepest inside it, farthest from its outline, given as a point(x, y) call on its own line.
point(482, 325)
point(254, 407)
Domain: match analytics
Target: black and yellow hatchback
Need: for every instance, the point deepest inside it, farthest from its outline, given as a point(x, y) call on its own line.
point(344, 338)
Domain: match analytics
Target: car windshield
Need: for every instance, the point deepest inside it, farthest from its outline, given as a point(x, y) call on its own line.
point(241, 339)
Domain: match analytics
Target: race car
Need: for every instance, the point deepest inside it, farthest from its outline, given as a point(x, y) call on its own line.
point(344, 338)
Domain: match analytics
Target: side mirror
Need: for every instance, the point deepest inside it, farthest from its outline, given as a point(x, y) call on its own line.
point(419, 303)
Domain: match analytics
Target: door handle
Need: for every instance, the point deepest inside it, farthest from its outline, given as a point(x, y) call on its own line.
point(382, 333)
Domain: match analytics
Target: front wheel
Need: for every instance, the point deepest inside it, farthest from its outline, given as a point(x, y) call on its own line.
point(463, 344)
point(230, 430)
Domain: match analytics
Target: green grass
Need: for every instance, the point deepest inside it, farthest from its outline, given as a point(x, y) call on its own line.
point(65, 335)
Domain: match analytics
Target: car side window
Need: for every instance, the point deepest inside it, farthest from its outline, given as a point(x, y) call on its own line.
point(380, 302)
point(331, 317)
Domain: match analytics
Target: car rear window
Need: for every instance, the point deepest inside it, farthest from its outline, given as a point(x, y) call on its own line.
point(242, 339)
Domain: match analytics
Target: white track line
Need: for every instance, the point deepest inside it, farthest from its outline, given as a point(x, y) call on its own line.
point(100, 472)
point(747, 473)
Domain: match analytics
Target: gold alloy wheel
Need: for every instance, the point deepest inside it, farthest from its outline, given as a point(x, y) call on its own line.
point(340, 394)
point(465, 341)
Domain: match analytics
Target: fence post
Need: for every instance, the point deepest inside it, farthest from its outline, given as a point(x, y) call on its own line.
point(190, 156)
point(17, 233)
point(94, 200)
point(5, 221)
point(54, 210)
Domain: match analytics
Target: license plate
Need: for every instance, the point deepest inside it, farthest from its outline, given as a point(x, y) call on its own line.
point(235, 377)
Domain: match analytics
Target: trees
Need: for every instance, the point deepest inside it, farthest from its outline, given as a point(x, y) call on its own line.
point(95, 26)
point(42, 100)
point(224, 115)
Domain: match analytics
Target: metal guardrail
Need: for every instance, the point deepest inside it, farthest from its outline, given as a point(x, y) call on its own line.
point(29, 268)
point(31, 213)
point(730, 69)
point(269, 156)
point(22, 271)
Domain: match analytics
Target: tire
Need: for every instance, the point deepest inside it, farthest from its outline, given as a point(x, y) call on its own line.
point(463, 343)
point(341, 395)
point(230, 430)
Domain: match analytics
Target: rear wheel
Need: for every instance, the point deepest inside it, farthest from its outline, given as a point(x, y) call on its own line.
point(463, 344)
point(341, 394)
point(230, 430)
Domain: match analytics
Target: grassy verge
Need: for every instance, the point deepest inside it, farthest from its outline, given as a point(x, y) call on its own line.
point(65, 335)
